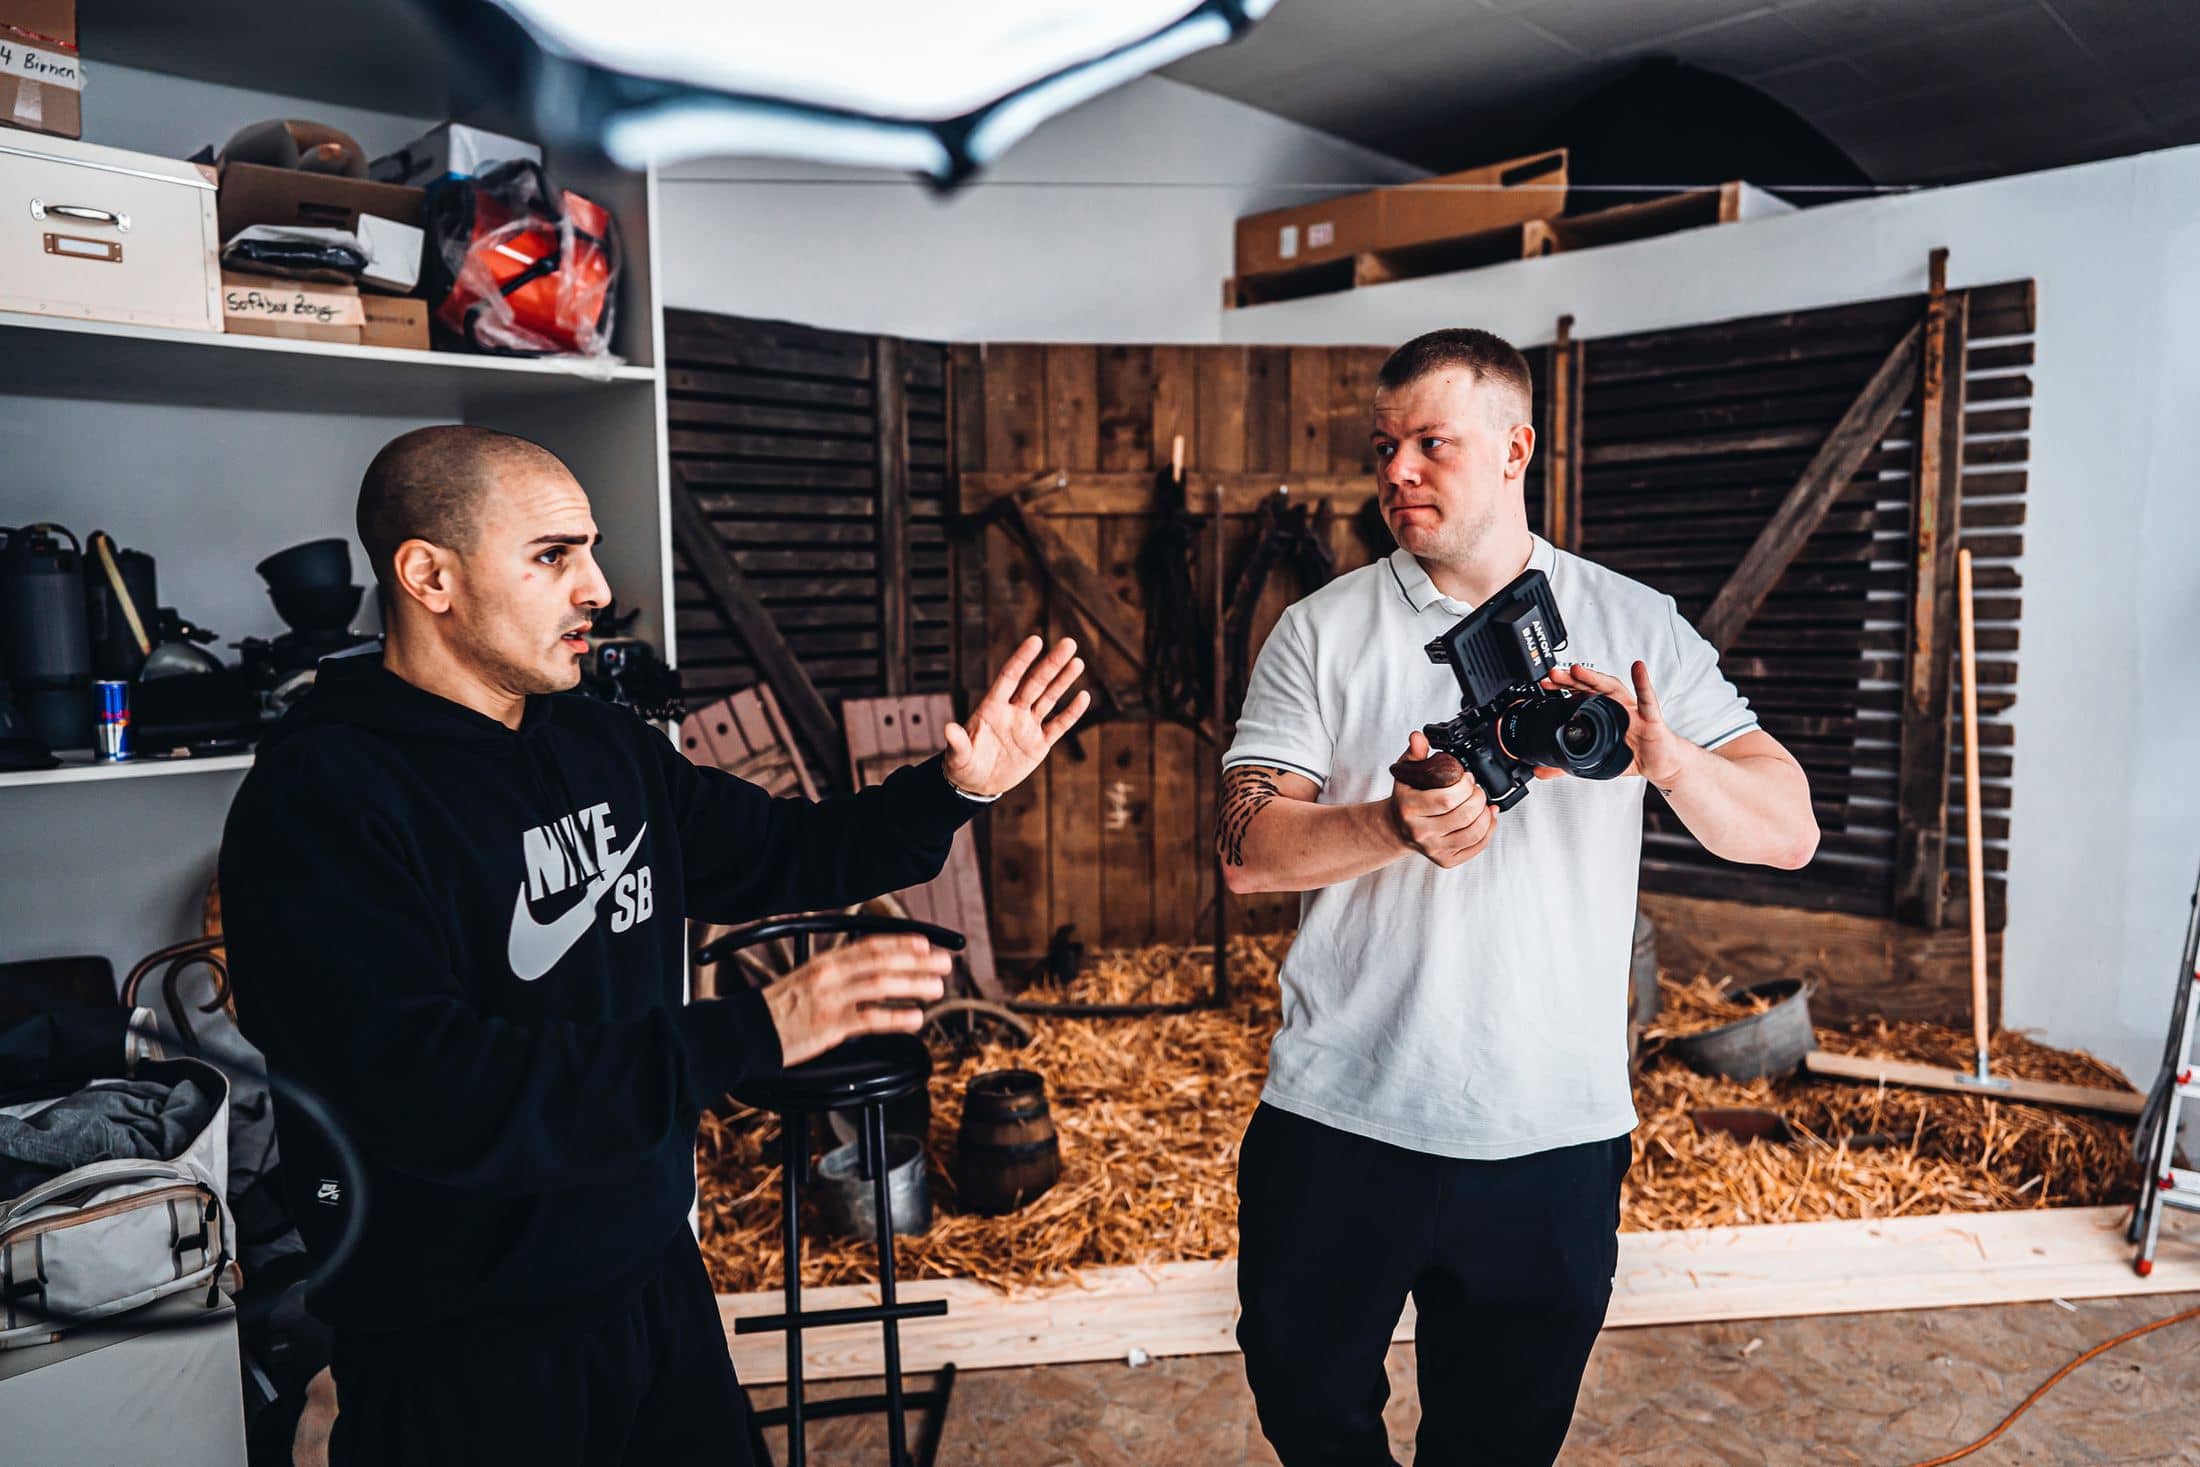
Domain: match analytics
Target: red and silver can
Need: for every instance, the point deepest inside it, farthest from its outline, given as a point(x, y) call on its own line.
point(111, 730)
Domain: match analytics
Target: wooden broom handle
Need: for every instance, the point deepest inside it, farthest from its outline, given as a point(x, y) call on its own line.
point(1973, 823)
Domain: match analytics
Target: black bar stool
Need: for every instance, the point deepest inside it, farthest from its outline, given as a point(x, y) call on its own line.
point(863, 1075)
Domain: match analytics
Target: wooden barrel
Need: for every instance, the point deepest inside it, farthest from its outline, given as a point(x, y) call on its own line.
point(1006, 1153)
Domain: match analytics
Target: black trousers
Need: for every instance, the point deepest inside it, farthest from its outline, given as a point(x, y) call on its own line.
point(1509, 1264)
point(652, 1383)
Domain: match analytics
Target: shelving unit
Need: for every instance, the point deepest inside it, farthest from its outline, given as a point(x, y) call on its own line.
point(210, 452)
point(76, 769)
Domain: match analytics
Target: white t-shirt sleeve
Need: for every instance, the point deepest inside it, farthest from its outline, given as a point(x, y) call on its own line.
point(1281, 724)
point(1698, 701)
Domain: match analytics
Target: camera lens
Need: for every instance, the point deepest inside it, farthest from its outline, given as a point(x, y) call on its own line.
point(1581, 734)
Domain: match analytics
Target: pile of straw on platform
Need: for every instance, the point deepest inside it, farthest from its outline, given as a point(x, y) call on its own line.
point(1150, 1111)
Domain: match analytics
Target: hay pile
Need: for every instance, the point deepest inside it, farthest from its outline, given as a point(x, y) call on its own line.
point(1150, 1112)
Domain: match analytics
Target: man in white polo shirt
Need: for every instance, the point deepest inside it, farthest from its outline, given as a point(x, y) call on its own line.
point(1447, 1111)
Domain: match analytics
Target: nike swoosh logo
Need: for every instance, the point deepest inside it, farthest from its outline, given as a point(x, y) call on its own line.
point(535, 947)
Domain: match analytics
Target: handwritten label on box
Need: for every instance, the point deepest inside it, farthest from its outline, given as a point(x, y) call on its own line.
point(276, 300)
point(33, 63)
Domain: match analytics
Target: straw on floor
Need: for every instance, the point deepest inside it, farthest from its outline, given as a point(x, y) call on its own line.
point(1150, 1111)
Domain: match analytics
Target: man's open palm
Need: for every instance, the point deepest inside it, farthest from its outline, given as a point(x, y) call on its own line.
point(1020, 719)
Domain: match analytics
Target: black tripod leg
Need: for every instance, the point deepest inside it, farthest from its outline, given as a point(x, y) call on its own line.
point(794, 1155)
point(874, 1137)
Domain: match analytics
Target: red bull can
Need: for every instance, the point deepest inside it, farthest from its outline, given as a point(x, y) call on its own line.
point(112, 726)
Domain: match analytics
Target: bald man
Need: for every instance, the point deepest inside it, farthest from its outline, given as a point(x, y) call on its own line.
point(456, 902)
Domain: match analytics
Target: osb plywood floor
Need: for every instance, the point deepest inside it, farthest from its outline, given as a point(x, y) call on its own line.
point(1881, 1389)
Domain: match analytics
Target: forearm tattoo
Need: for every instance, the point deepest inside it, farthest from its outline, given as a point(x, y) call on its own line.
point(1245, 790)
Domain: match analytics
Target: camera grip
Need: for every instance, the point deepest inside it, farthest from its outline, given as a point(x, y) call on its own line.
point(1438, 771)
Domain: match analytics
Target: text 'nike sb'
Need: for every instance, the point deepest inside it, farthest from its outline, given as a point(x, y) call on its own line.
point(558, 855)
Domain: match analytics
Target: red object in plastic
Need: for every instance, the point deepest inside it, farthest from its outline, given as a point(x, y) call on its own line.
point(537, 274)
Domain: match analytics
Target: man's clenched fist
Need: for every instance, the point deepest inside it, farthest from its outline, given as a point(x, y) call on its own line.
point(1450, 826)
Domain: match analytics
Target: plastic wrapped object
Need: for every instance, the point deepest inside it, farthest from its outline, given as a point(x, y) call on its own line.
point(520, 267)
point(297, 253)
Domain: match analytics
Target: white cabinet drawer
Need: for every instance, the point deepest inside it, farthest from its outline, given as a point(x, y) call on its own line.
point(102, 234)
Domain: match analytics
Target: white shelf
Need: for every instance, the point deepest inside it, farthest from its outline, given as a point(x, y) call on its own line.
point(81, 769)
point(54, 356)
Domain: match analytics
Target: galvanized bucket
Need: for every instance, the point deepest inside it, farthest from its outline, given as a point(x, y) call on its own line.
point(845, 1200)
point(1771, 1043)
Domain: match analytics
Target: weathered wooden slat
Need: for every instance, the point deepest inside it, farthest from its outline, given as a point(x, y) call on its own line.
point(1126, 387)
point(710, 384)
point(2008, 309)
point(780, 475)
point(891, 444)
point(1220, 448)
point(1176, 410)
point(704, 413)
point(1834, 465)
point(1352, 372)
point(1015, 443)
point(797, 695)
point(1075, 771)
point(1268, 439)
point(1309, 410)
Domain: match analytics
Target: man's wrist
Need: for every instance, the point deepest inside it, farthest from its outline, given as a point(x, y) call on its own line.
point(971, 795)
point(1668, 781)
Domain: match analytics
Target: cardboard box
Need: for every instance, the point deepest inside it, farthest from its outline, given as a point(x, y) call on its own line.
point(1308, 234)
point(41, 76)
point(392, 320)
point(253, 194)
point(452, 150)
point(1455, 204)
point(393, 254)
point(301, 310)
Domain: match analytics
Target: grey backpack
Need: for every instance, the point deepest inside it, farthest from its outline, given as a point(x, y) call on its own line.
point(111, 1236)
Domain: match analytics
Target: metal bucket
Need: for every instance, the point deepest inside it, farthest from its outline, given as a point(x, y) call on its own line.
point(1771, 1043)
point(845, 1200)
point(1642, 984)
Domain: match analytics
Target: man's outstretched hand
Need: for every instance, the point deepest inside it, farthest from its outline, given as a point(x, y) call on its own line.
point(1018, 722)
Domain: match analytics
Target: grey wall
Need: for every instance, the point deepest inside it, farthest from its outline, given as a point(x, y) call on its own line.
point(1111, 223)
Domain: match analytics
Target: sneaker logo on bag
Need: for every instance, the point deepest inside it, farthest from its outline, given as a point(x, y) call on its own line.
point(558, 856)
point(330, 1193)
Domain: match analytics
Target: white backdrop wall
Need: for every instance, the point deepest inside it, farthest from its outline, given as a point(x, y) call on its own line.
point(2106, 822)
point(1111, 223)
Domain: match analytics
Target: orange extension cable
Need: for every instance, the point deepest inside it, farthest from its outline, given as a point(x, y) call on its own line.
point(2049, 1384)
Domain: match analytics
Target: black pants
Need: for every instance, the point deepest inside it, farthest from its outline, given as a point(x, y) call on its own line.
point(1509, 1264)
point(652, 1383)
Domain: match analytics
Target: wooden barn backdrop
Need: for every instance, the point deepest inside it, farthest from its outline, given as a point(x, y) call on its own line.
point(1771, 474)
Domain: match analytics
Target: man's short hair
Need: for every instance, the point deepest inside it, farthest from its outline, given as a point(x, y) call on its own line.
point(1488, 356)
point(428, 484)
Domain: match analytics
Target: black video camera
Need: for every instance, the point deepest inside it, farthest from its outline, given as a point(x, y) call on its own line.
point(1508, 723)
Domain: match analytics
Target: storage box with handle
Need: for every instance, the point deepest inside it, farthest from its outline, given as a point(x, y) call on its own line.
point(102, 234)
point(111, 1236)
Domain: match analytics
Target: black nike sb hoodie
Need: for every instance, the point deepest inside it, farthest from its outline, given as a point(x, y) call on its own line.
point(469, 941)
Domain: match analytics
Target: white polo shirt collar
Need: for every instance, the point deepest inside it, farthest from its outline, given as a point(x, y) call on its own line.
point(1420, 592)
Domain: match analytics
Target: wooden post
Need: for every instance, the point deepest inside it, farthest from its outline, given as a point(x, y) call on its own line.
point(890, 419)
point(1221, 684)
point(1825, 479)
point(1921, 815)
point(1974, 836)
point(1562, 474)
